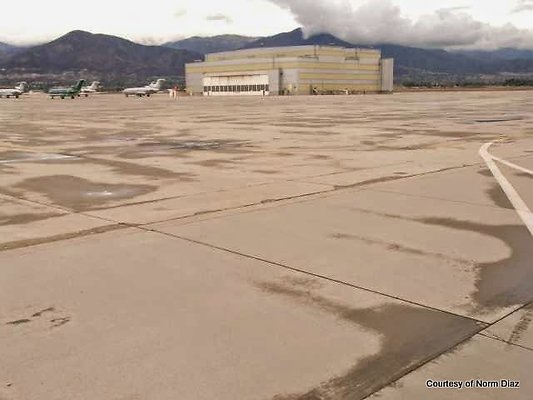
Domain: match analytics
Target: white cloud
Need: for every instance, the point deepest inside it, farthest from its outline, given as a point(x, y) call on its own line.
point(382, 21)
point(219, 17)
point(455, 23)
point(30, 21)
point(523, 5)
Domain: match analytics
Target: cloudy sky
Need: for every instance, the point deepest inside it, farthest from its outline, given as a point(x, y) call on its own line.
point(440, 23)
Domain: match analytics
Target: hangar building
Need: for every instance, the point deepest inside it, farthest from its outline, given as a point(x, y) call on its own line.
point(291, 71)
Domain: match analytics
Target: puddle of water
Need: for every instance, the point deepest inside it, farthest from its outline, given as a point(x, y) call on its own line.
point(11, 157)
point(81, 194)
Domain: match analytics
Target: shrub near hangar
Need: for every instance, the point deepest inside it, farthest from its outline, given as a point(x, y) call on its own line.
point(291, 70)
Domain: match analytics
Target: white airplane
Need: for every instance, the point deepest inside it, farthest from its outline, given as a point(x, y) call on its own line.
point(92, 88)
point(152, 88)
point(15, 92)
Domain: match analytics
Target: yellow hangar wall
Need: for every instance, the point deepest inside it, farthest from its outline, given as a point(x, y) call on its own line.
point(292, 70)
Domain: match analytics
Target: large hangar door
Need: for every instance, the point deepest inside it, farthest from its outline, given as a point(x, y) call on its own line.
point(231, 85)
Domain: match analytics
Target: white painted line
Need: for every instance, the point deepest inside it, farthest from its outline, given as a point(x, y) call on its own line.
point(44, 157)
point(510, 164)
point(520, 206)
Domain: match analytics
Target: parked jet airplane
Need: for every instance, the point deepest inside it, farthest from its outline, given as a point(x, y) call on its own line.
point(63, 92)
point(152, 88)
point(92, 88)
point(15, 92)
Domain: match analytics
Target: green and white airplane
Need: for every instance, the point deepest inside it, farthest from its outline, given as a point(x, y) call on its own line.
point(63, 92)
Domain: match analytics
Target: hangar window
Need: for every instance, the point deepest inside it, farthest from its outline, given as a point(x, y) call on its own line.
point(224, 88)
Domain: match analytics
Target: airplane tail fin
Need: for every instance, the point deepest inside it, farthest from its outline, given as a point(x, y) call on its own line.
point(94, 85)
point(157, 84)
point(79, 84)
point(22, 86)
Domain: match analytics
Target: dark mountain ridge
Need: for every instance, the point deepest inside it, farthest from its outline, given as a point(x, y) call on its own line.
point(107, 55)
point(212, 44)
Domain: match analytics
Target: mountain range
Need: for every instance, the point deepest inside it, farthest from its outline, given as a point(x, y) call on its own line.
point(6, 51)
point(213, 44)
point(115, 59)
point(108, 58)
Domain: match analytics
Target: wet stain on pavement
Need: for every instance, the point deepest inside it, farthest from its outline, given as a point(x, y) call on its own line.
point(266, 172)
point(488, 121)
point(181, 148)
point(502, 283)
point(133, 169)
point(22, 219)
point(81, 194)
point(319, 157)
point(190, 145)
point(498, 197)
point(215, 162)
point(7, 170)
point(485, 172)
point(521, 327)
point(19, 321)
point(409, 337)
point(57, 322)
point(399, 248)
point(38, 320)
point(14, 155)
point(44, 311)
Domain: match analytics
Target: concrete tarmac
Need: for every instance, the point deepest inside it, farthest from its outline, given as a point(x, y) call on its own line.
point(282, 248)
